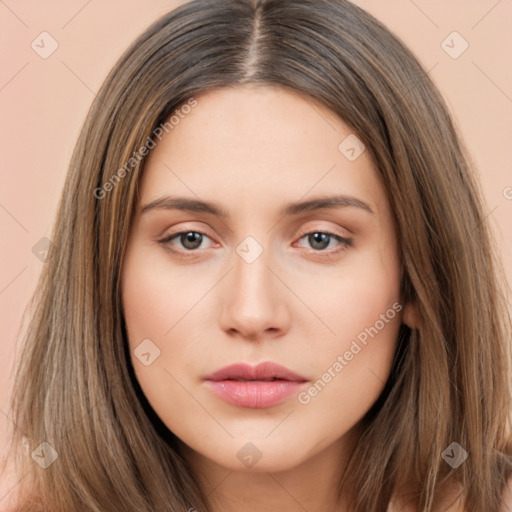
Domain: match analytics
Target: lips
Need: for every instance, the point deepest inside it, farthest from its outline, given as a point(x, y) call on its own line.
point(264, 372)
point(260, 386)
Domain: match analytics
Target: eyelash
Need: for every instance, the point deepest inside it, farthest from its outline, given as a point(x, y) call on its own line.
point(345, 243)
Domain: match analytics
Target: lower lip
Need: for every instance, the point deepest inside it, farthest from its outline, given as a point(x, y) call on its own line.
point(256, 394)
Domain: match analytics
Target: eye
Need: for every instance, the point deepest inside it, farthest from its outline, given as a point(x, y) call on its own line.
point(319, 241)
point(188, 241)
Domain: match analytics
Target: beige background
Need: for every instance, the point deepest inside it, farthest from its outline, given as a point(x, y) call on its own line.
point(43, 103)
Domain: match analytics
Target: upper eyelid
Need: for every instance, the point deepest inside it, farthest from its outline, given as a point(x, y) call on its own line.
point(300, 230)
point(184, 231)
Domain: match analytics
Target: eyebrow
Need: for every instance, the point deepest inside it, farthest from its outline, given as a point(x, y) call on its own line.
point(293, 208)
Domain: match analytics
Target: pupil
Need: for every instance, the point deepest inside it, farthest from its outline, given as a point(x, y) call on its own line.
point(191, 240)
point(319, 238)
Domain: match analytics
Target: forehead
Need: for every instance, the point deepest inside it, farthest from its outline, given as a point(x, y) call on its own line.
point(260, 143)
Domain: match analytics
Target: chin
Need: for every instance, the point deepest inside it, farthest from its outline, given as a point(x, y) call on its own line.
point(256, 456)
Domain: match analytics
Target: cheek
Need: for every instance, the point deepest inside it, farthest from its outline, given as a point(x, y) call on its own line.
point(164, 303)
point(361, 305)
point(156, 302)
point(157, 296)
point(358, 295)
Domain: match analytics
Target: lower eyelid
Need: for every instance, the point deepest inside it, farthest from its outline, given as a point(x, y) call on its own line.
point(328, 254)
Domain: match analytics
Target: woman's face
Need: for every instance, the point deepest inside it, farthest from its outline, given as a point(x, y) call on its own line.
point(263, 235)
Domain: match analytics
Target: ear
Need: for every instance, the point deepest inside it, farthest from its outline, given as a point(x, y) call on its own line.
point(410, 315)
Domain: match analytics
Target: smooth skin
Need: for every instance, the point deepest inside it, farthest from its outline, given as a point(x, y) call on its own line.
point(252, 150)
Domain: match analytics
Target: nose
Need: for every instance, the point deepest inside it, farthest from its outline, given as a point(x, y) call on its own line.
point(254, 305)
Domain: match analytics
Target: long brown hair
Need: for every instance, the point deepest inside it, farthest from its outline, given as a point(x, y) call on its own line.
point(450, 382)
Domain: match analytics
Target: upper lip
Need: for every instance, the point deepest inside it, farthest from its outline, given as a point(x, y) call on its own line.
point(263, 371)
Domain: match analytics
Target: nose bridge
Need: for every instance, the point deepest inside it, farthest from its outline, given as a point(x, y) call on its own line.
point(251, 276)
point(252, 304)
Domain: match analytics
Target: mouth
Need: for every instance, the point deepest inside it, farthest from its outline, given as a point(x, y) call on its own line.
point(261, 386)
point(254, 380)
